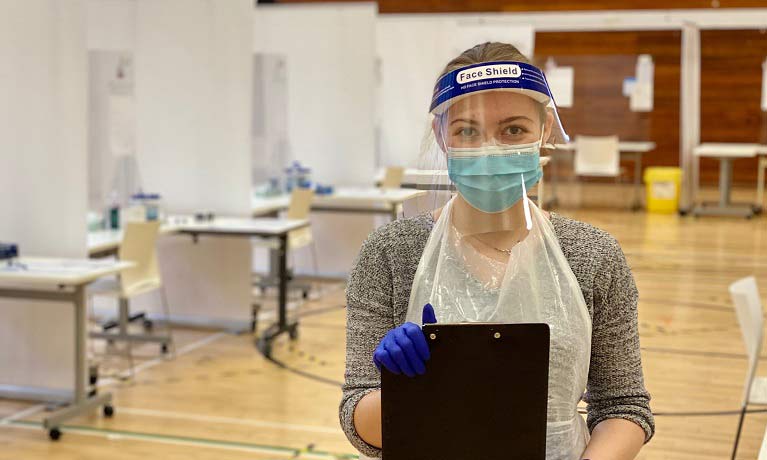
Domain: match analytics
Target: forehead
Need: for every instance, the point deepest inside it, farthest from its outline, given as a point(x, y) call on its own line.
point(494, 103)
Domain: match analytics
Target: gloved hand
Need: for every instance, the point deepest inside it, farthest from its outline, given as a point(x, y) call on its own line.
point(404, 350)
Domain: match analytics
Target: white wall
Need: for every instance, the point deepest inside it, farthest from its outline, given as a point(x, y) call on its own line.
point(193, 73)
point(193, 83)
point(111, 25)
point(413, 50)
point(43, 142)
point(330, 60)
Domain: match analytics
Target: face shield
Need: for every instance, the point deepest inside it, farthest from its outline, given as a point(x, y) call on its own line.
point(487, 125)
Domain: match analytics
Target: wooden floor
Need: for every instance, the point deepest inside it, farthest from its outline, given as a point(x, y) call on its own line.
point(219, 399)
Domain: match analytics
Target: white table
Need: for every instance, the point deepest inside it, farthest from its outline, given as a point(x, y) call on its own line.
point(107, 241)
point(61, 280)
point(726, 153)
point(262, 206)
point(263, 228)
point(633, 150)
point(366, 200)
point(103, 243)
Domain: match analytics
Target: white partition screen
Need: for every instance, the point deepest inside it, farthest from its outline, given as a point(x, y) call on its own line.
point(329, 54)
point(193, 77)
point(43, 175)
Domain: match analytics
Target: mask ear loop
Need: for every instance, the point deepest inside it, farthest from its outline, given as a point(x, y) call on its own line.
point(525, 203)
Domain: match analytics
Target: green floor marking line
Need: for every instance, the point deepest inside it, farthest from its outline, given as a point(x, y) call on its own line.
point(191, 440)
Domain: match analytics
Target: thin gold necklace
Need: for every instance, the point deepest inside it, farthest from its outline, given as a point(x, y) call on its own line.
point(506, 251)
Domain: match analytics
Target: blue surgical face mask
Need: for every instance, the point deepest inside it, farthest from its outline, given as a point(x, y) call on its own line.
point(494, 178)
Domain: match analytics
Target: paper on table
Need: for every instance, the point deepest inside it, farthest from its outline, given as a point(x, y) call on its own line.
point(561, 83)
point(641, 99)
point(53, 266)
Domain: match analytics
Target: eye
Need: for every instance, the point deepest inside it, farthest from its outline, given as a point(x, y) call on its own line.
point(466, 131)
point(514, 130)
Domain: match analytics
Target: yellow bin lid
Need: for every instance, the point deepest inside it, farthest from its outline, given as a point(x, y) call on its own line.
point(662, 173)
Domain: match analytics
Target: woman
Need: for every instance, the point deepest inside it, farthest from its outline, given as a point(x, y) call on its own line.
point(489, 255)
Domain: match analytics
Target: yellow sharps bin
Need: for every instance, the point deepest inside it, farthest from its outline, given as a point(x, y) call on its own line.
point(663, 188)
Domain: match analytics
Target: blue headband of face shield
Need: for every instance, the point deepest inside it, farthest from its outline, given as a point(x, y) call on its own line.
point(518, 77)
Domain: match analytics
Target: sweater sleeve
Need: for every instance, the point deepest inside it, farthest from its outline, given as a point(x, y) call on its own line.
point(369, 317)
point(616, 383)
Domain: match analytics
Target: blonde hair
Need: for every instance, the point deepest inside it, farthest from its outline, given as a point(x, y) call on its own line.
point(486, 52)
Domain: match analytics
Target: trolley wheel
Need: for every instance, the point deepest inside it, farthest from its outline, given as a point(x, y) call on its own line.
point(293, 333)
point(93, 374)
point(305, 294)
point(109, 411)
point(148, 325)
point(164, 348)
point(54, 434)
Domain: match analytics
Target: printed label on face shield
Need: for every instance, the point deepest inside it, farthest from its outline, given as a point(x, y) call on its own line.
point(488, 71)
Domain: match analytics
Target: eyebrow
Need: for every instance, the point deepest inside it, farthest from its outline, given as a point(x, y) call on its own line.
point(505, 120)
point(471, 122)
point(510, 119)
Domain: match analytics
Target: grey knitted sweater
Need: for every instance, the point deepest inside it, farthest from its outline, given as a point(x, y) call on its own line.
point(378, 293)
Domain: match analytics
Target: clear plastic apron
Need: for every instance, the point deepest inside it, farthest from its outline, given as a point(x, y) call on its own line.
point(536, 285)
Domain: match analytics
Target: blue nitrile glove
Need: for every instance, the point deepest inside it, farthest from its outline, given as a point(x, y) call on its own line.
point(404, 350)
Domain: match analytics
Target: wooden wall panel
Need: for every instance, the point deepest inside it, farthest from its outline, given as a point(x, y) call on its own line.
point(602, 60)
point(437, 6)
point(731, 89)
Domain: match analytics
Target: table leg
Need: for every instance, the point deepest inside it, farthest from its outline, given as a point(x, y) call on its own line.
point(81, 403)
point(760, 182)
point(695, 181)
point(264, 342)
point(540, 193)
point(553, 201)
point(282, 273)
point(637, 181)
point(725, 181)
point(80, 344)
point(725, 207)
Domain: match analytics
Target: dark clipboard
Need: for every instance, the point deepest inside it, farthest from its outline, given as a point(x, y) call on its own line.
point(484, 396)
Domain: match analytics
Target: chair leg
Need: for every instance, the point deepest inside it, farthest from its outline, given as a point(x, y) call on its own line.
point(314, 259)
point(91, 316)
point(737, 435)
point(124, 320)
point(166, 312)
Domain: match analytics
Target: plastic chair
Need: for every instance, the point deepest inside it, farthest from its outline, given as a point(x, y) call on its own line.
point(748, 307)
point(597, 156)
point(393, 177)
point(138, 246)
point(299, 208)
